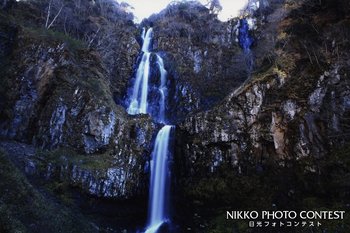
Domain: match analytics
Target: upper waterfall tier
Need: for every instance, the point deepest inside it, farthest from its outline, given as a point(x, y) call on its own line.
point(145, 97)
point(138, 103)
point(147, 39)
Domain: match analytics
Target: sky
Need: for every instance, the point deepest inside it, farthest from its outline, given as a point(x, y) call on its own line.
point(145, 8)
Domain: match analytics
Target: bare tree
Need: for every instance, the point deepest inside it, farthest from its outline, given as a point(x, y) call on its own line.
point(214, 6)
point(51, 8)
point(91, 38)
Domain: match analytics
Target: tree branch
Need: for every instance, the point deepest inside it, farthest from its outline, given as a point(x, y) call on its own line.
point(54, 19)
point(48, 14)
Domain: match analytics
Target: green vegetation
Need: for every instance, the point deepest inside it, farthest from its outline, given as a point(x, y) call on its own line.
point(42, 34)
point(19, 54)
point(308, 184)
point(65, 156)
point(24, 209)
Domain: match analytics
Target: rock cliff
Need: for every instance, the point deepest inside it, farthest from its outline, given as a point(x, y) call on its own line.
point(258, 101)
point(289, 118)
point(292, 109)
point(55, 93)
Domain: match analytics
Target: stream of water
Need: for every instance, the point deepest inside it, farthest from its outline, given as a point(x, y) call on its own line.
point(160, 173)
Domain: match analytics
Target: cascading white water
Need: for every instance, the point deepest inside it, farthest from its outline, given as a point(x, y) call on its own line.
point(143, 35)
point(159, 177)
point(159, 163)
point(147, 40)
point(138, 101)
point(162, 88)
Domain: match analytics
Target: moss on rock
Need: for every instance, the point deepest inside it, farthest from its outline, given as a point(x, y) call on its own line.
point(24, 209)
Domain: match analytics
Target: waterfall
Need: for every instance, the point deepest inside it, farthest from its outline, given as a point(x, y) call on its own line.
point(138, 103)
point(246, 41)
point(138, 100)
point(143, 34)
point(159, 178)
point(147, 40)
point(162, 89)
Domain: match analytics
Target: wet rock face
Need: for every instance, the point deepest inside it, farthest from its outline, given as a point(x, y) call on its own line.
point(98, 133)
point(60, 98)
point(28, 84)
point(224, 135)
point(246, 128)
point(56, 124)
point(120, 63)
point(280, 114)
point(119, 177)
point(202, 67)
point(295, 105)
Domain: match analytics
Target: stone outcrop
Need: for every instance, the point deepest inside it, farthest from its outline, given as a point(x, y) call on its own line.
point(63, 94)
point(274, 112)
point(203, 66)
point(60, 97)
point(286, 112)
